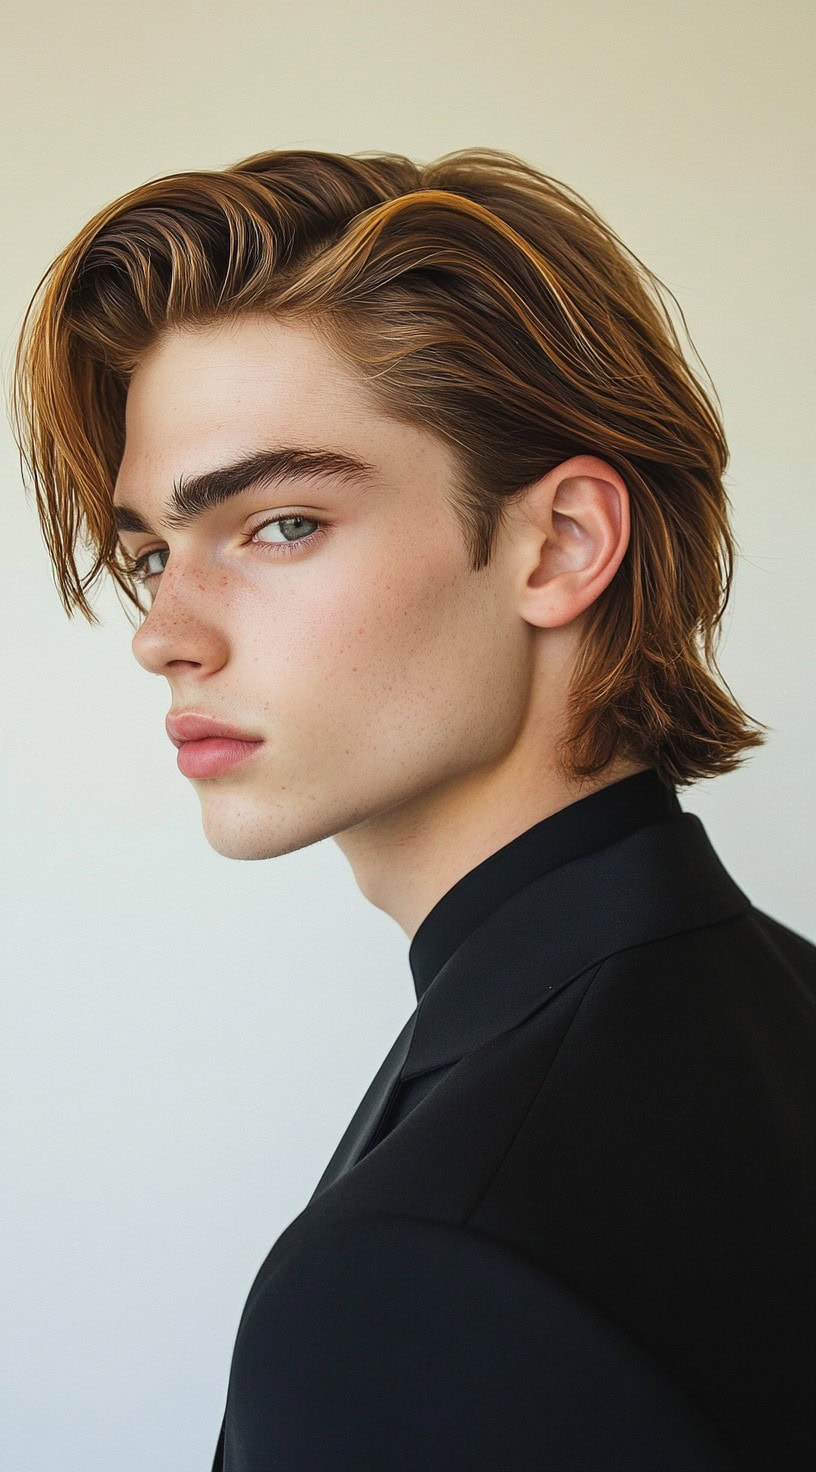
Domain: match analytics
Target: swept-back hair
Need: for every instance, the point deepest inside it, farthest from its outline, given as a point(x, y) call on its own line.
point(477, 298)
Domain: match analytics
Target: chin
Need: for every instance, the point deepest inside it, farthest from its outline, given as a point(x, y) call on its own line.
point(240, 843)
point(247, 832)
point(231, 846)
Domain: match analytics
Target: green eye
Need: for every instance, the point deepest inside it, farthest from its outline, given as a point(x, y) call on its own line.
point(139, 571)
point(292, 520)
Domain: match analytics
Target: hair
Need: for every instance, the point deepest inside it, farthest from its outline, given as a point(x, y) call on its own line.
point(477, 298)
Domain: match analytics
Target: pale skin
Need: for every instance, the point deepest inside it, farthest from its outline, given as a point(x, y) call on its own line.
point(409, 707)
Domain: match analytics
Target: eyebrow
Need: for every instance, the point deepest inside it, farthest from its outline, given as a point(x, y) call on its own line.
point(192, 497)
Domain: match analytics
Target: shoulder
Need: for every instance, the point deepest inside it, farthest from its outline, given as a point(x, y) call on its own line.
point(398, 1342)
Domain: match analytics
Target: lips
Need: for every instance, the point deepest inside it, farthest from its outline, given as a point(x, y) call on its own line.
point(193, 726)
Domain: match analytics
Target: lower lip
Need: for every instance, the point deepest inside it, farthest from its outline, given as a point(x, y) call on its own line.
point(214, 755)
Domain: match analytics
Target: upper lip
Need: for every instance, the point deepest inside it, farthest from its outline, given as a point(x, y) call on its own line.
point(192, 726)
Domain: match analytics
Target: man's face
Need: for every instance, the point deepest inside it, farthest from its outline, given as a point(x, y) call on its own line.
point(380, 671)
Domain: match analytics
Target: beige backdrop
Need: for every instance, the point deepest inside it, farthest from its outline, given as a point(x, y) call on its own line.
point(184, 1038)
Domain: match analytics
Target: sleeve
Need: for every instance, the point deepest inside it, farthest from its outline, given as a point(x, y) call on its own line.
point(394, 1343)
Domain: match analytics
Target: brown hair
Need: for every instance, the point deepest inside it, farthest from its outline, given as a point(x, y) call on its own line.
point(478, 298)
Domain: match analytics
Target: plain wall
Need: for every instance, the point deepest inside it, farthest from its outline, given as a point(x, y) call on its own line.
point(184, 1038)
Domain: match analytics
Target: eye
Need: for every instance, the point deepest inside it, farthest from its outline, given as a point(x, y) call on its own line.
point(139, 568)
point(282, 521)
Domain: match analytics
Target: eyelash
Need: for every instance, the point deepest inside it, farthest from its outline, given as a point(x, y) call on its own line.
point(285, 549)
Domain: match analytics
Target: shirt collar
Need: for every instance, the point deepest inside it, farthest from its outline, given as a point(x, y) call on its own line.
point(583, 826)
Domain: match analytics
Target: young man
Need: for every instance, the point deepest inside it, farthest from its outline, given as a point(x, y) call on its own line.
point(429, 514)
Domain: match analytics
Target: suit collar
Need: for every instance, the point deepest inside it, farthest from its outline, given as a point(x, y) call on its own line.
point(588, 823)
point(658, 881)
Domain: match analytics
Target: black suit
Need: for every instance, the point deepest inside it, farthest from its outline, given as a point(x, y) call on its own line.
point(572, 1224)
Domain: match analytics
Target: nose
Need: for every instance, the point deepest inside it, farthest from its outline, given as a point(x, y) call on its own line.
point(175, 632)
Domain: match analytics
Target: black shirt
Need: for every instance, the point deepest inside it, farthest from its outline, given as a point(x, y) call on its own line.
point(590, 823)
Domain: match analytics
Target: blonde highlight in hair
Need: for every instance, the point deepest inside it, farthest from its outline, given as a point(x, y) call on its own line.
point(475, 297)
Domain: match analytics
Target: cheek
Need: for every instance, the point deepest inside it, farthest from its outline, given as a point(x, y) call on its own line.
point(388, 630)
point(417, 646)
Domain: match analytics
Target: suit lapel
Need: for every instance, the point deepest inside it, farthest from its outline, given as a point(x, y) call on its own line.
point(370, 1111)
point(658, 881)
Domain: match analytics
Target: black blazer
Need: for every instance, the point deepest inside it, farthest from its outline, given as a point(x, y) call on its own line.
point(592, 1242)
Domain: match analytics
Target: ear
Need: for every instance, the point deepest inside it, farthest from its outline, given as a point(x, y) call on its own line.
point(569, 534)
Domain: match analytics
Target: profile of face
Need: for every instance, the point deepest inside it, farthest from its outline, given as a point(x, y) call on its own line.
point(335, 620)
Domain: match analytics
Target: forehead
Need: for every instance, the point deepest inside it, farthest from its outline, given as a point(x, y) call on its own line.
point(204, 397)
point(201, 388)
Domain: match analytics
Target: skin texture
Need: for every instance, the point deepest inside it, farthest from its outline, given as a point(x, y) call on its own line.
point(409, 706)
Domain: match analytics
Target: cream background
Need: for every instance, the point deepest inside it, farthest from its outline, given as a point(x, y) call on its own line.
point(183, 1038)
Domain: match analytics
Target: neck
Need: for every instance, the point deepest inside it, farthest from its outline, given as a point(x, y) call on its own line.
point(406, 859)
